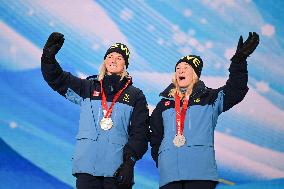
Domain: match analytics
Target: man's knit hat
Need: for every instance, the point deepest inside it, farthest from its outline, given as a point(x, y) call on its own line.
point(121, 49)
point(194, 61)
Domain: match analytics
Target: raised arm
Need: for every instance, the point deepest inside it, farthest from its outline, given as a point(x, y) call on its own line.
point(63, 82)
point(236, 86)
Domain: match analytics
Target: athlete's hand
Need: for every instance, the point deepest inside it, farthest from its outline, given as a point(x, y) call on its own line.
point(53, 44)
point(244, 49)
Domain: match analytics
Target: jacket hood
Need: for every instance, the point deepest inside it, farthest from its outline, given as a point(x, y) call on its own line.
point(93, 77)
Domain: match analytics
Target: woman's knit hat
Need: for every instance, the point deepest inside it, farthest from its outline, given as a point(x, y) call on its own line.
point(194, 61)
point(121, 49)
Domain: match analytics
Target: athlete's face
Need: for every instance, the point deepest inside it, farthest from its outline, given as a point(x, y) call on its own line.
point(184, 74)
point(114, 63)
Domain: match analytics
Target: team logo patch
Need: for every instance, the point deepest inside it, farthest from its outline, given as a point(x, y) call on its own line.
point(167, 103)
point(197, 100)
point(96, 93)
point(126, 98)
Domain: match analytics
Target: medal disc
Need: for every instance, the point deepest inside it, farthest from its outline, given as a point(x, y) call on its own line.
point(106, 123)
point(179, 140)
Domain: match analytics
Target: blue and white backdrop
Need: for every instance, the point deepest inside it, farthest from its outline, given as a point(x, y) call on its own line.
point(38, 126)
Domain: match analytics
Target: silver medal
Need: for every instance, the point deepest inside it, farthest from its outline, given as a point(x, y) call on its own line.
point(106, 123)
point(179, 140)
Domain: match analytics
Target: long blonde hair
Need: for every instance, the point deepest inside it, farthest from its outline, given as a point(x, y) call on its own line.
point(177, 90)
point(103, 71)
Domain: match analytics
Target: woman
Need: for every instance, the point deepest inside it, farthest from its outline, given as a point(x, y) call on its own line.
point(182, 138)
point(113, 120)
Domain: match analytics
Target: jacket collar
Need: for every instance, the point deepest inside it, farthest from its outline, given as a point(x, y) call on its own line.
point(110, 84)
point(198, 89)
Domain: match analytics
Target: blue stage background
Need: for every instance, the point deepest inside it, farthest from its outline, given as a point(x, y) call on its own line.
point(38, 126)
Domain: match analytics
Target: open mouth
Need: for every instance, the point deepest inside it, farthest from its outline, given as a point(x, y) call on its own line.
point(181, 78)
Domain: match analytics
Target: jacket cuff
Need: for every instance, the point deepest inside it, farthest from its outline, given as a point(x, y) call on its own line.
point(129, 156)
point(238, 67)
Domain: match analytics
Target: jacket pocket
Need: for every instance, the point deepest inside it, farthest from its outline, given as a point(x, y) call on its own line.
point(163, 147)
point(85, 153)
point(200, 159)
point(167, 161)
point(84, 134)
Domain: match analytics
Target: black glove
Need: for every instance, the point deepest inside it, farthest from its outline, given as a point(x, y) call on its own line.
point(246, 48)
point(53, 45)
point(125, 174)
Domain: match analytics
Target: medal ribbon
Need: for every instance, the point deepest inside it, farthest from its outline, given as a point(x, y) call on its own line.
point(180, 116)
point(104, 100)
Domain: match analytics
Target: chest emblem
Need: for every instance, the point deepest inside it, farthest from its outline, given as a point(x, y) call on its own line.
point(126, 98)
point(197, 100)
point(167, 103)
point(96, 93)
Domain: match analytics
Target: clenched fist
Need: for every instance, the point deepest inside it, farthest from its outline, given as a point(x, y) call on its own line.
point(53, 44)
